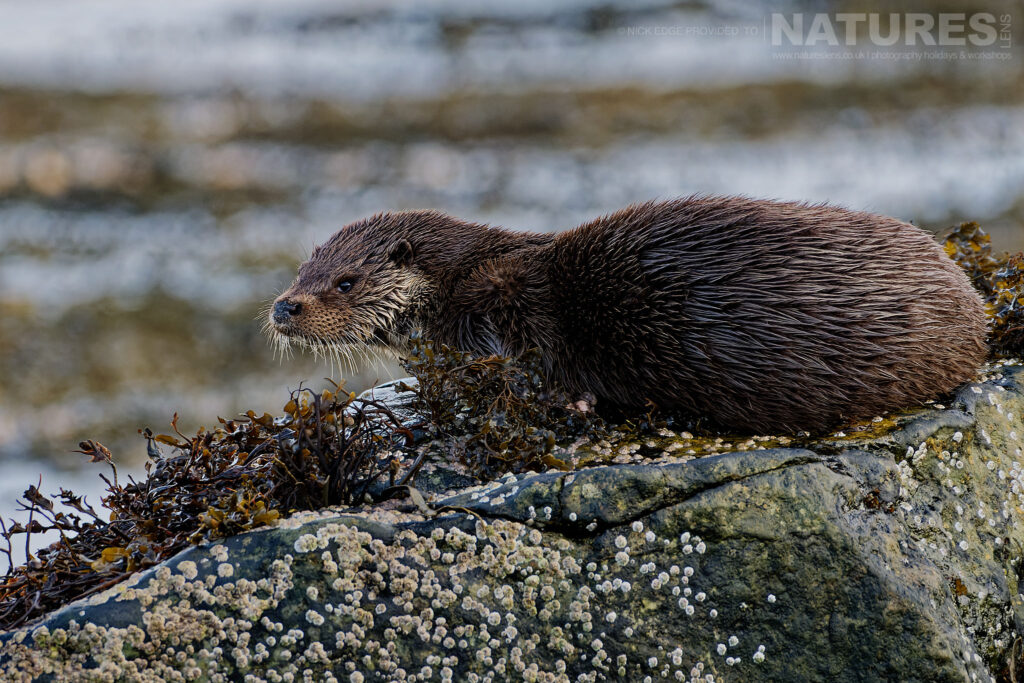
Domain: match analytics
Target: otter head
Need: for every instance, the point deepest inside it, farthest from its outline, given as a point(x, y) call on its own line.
point(357, 291)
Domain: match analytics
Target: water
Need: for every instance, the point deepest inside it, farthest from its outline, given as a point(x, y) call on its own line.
point(163, 168)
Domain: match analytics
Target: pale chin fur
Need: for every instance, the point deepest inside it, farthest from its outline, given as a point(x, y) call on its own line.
point(348, 356)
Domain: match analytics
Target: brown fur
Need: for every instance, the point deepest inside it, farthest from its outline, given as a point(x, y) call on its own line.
point(762, 316)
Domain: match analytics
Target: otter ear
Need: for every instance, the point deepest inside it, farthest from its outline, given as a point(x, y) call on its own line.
point(401, 253)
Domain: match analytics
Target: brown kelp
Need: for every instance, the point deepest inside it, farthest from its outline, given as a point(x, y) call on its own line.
point(999, 279)
point(327, 448)
point(496, 413)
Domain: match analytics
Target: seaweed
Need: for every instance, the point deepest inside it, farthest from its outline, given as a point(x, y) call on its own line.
point(971, 248)
point(497, 414)
point(327, 449)
point(1006, 309)
point(1000, 280)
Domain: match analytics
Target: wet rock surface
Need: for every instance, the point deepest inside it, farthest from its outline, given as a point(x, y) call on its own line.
point(894, 556)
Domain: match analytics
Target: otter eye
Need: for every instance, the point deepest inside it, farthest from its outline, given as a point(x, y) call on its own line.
point(344, 285)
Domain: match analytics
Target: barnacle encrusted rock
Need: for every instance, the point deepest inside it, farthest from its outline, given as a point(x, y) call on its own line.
point(889, 557)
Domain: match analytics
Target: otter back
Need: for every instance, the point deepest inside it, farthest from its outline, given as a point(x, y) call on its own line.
point(762, 316)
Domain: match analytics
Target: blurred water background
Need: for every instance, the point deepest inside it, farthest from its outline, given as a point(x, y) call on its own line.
point(165, 166)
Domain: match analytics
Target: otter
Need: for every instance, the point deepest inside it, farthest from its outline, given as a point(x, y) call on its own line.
point(760, 316)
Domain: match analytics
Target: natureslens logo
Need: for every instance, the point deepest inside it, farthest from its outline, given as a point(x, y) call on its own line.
point(947, 29)
point(909, 36)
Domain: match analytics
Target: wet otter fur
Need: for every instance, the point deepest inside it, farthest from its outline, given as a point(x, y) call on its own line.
point(761, 316)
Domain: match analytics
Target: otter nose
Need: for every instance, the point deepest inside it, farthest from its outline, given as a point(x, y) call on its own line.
point(285, 309)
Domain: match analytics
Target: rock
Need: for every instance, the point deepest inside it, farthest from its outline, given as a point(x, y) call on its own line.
point(397, 395)
point(889, 557)
point(433, 477)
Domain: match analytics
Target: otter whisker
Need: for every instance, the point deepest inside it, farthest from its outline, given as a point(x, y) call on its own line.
point(380, 362)
point(350, 358)
point(365, 356)
point(346, 358)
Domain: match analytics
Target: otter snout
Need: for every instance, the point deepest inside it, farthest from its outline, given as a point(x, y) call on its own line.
point(287, 313)
point(285, 310)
